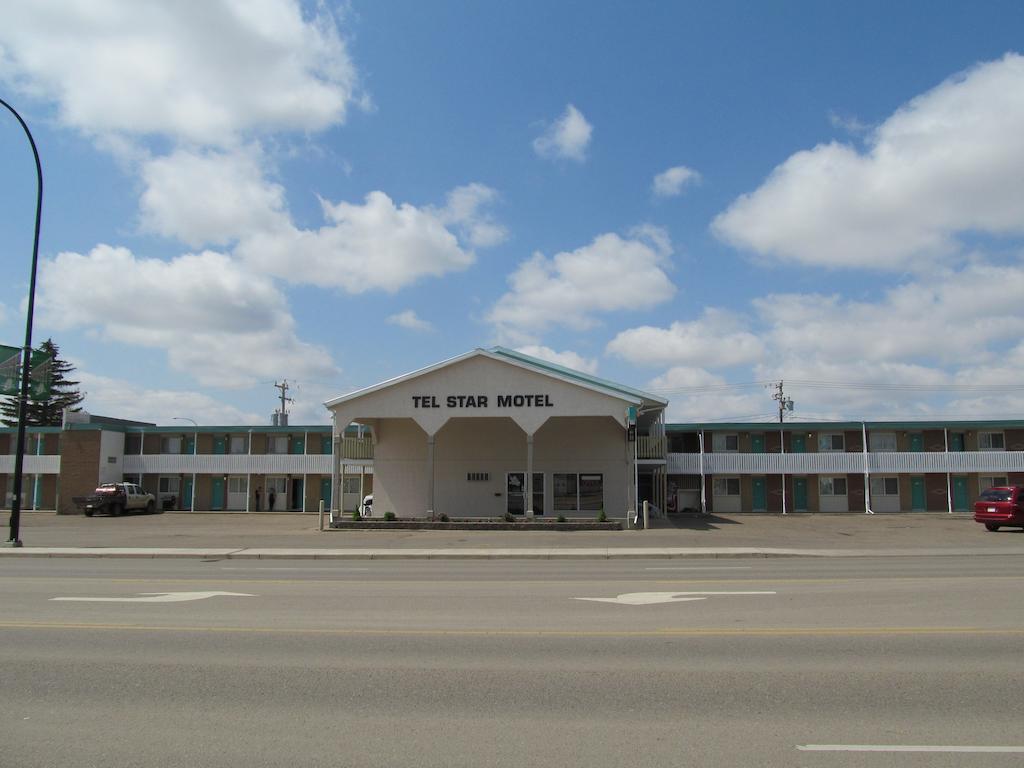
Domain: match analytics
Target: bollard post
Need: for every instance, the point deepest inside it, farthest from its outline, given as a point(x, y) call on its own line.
point(647, 513)
point(321, 514)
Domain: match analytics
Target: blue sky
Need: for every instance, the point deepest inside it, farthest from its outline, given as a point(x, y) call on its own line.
point(691, 198)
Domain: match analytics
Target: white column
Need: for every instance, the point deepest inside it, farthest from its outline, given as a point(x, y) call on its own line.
point(867, 470)
point(335, 465)
point(703, 488)
point(430, 476)
point(949, 490)
point(529, 475)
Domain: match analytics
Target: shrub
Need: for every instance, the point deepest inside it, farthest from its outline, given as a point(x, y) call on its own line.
point(509, 518)
point(561, 519)
point(356, 515)
point(443, 518)
point(602, 517)
point(389, 515)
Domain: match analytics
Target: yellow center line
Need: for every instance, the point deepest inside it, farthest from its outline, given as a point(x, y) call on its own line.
point(664, 632)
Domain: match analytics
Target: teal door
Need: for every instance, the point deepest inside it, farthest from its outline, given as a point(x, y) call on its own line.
point(798, 447)
point(217, 494)
point(185, 502)
point(956, 441)
point(190, 445)
point(325, 491)
point(325, 445)
point(960, 498)
point(800, 494)
point(757, 443)
point(917, 497)
point(298, 445)
point(219, 445)
point(917, 443)
point(760, 497)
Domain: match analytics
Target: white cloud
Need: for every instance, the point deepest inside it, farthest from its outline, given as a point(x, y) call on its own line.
point(931, 318)
point(568, 137)
point(223, 326)
point(210, 197)
point(695, 394)
point(377, 245)
point(106, 396)
point(411, 321)
point(670, 183)
point(567, 358)
point(200, 72)
point(947, 163)
point(719, 338)
point(464, 210)
point(611, 273)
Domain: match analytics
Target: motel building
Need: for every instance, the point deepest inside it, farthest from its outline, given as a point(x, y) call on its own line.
point(495, 432)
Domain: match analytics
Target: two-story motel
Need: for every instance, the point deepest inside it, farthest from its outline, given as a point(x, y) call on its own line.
point(494, 431)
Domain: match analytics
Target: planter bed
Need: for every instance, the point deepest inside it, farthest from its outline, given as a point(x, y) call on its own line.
point(476, 525)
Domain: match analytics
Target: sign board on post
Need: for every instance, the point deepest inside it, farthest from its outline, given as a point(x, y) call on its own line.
point(10, 373)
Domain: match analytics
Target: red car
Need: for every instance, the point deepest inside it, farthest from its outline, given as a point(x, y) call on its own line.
point(1000, 506)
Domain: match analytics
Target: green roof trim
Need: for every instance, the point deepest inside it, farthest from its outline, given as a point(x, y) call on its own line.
point(561, 370)
point(819, 426)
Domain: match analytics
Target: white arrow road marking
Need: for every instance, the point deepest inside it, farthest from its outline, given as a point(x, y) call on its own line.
point(155, 597)
point(652, 598)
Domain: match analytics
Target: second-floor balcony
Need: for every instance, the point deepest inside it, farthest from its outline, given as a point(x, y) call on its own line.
point(918, 462)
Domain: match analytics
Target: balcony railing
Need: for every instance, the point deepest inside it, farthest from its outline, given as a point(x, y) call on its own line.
point(357, 448)
point(228, 464)
point(843, 463)
point(650, 447)
point(34, 465)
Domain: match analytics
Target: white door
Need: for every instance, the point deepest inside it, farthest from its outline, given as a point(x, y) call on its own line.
point(238, 490)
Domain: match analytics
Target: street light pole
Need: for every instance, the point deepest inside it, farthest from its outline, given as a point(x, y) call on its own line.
point(195, 447)
point(19, 461)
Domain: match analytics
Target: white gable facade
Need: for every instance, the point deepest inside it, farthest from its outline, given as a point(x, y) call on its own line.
point(486, 434)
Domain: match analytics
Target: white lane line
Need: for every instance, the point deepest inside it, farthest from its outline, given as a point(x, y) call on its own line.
point(903, 748)
point(703, 568)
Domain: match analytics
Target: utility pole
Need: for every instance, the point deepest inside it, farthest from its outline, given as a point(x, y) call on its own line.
point(785, 403)
point(283, 413)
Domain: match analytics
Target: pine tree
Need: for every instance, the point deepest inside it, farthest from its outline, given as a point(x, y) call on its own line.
point(63, 394)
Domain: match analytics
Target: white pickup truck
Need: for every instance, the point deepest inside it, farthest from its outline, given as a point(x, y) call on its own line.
point(115, 498)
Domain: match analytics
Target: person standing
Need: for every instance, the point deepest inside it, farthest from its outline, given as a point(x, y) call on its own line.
point(271, 498)
point(258, 494)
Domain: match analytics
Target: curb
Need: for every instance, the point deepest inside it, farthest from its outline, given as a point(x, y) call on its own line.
point(524, 553)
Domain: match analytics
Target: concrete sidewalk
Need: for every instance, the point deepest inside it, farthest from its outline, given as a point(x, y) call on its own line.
point(260, 536)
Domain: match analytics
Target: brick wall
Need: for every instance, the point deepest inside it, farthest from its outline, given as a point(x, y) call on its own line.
point(79, 467)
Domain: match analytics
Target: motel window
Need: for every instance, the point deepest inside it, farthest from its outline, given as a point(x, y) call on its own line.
point(882, 442)
point(133, 444)
point(726, 486)
point(351, 485)
point(277, 444)
point(170, 485)
point(885, 486)
point(238, 444)
point(992, 481)
point(573, 492)
point(832, 441)
point(237, 484)
point(170, 445)
point(991, 441)
point(832, 486)
point(725, 442)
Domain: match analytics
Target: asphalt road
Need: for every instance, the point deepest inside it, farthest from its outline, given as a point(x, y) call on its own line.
point(435, 663)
